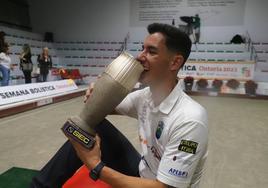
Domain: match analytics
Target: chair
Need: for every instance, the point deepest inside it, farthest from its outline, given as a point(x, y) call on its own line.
point(75, 74)
point(64, 74)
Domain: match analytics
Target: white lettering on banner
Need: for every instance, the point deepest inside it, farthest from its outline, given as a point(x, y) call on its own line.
point(218, 70)
point(17, 93)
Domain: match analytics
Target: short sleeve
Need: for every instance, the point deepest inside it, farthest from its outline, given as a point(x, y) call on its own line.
point(130, 104)
point(183, 154)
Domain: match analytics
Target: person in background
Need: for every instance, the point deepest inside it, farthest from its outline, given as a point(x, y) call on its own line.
point(5, 64)
point(173, 22)
point(26, 64)
point(45, 64)
point(196, 28)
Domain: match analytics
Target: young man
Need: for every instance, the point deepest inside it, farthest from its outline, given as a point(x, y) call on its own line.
point(172, 128)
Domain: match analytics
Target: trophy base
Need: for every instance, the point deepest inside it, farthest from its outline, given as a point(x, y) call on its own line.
point(72, 130)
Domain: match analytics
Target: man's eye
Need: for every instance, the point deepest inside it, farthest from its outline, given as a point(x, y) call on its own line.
point(152, 52)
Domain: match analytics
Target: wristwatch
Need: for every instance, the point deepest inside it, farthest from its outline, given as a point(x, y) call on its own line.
point(95, 172)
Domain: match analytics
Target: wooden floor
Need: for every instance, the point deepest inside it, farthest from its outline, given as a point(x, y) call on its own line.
point(238, 139)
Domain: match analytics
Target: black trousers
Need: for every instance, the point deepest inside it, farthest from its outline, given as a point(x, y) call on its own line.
point(27, 76)
point(43, 77)
point(117, 153)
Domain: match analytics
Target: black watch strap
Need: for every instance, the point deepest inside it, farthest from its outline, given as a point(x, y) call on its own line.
point(95, 172)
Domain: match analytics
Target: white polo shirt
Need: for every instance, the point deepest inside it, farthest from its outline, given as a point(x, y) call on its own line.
point(173, 136)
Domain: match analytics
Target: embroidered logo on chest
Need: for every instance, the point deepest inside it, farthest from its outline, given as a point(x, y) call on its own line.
point(159, 129)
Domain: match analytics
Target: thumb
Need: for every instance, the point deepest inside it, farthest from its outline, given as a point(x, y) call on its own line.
point(98, 139)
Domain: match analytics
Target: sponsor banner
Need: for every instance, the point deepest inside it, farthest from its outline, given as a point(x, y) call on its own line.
point(218, 70)
point(13, 94)
point(211, 12)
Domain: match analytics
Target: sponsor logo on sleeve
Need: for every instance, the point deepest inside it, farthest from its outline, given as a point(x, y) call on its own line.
point(188, 146)
point(178, 173)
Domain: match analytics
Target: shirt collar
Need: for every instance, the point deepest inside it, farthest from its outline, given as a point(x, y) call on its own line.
point(168, 103)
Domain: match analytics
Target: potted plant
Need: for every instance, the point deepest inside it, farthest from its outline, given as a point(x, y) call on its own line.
point(217, 84)
point(202, 84)
point(250, 87)
point(233, 84)
point(188, 83)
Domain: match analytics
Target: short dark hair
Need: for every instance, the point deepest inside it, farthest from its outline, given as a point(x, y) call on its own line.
point(176, 40)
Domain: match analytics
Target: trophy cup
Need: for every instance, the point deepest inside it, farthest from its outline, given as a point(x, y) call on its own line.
point(111, 88)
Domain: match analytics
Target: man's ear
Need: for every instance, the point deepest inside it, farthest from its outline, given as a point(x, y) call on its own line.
point(176, 62)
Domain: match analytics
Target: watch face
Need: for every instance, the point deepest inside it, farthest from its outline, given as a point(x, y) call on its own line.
point(93, 175)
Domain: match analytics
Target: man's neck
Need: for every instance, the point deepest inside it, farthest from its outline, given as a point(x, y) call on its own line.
point(161, 91)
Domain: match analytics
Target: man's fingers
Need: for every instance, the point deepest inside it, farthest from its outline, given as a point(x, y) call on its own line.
point(86, 96)
point(98, 140)
point(92, 84)
point(89, 91)
point(77, 146)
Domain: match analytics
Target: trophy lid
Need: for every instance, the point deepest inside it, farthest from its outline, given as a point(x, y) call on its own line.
point(125, 69)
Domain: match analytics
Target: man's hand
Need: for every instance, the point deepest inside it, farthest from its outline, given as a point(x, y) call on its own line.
point(89, 157)
point(89, 91)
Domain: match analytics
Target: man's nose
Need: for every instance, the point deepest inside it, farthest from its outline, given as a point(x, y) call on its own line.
point(141, 57)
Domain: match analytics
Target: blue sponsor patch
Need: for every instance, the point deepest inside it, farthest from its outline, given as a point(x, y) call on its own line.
point(178, 173)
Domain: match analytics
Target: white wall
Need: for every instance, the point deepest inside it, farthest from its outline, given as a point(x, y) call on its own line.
point(109, 20)
point(81, 19)
point(256, 19)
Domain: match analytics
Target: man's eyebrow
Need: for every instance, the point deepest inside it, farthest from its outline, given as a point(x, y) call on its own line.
point(153, 48)
point(150, 48)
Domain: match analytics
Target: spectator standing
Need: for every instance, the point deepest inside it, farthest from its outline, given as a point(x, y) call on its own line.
point(5, 64)
point(196, 28)
point(26, 64)
point(45, 64)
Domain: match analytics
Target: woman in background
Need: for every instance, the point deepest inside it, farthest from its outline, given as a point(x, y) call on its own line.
point(45, 64)
point(5, 64)
point(26, 64)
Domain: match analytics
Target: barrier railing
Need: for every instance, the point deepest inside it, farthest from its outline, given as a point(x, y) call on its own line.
point(251, 48)
point(124, 44)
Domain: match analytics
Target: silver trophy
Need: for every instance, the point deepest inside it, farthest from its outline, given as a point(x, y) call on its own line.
point(111, 88)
